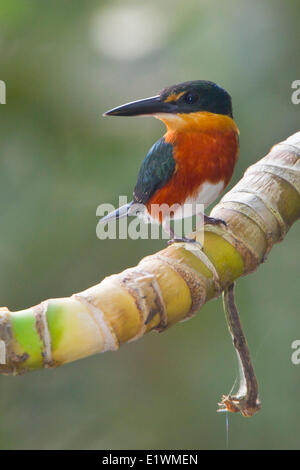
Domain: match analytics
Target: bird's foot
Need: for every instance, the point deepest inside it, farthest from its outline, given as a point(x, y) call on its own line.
point(213, 221)
point(181, 240)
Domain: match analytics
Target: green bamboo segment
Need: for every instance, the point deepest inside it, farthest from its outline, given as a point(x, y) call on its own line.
point(167, 287)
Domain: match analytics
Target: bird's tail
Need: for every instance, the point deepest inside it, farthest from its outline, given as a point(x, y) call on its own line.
point(119, 213)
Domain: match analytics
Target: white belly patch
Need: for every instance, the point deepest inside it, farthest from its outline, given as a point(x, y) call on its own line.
point(206, 195)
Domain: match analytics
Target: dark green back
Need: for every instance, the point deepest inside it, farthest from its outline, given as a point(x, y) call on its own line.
point(156, 170)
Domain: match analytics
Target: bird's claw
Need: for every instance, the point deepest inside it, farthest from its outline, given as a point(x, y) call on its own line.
point(181, 240)
point(214, 221)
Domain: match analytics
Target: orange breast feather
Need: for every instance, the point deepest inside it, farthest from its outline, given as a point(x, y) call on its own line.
point(205, 150)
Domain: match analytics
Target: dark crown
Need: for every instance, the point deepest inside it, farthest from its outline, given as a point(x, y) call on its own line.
point(199, 95)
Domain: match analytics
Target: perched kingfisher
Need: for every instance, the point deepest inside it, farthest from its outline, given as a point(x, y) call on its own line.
point(193, 162)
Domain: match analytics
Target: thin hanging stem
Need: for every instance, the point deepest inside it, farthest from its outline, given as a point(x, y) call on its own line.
point(246, 399)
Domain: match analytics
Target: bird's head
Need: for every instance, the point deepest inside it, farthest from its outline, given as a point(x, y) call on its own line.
point(182, 99)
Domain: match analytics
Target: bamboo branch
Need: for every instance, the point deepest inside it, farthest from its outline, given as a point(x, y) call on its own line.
point(171, 285)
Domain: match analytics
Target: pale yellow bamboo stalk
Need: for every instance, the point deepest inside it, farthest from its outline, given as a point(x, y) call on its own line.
point(172, 284)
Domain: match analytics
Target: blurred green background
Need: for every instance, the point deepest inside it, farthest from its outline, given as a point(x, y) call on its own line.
point(64, 63)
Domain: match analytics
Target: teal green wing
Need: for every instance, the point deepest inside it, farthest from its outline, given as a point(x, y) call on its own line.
point(156, 170)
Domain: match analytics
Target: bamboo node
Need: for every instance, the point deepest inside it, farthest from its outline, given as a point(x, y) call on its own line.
point(111, 342)
point(194, 280)
point(40, 312)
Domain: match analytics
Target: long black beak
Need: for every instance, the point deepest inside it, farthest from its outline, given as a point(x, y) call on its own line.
point(152, 105)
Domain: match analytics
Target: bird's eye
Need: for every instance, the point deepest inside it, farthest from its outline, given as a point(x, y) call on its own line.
point(191, 97)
